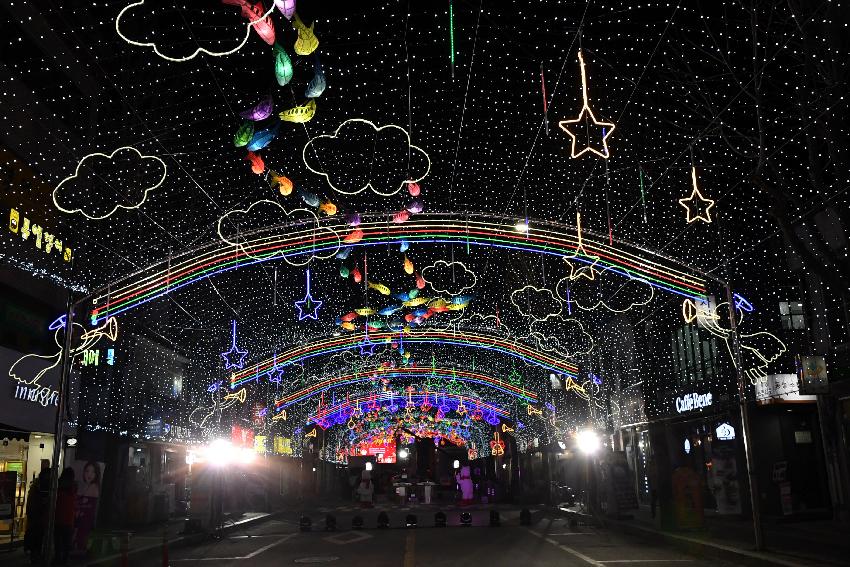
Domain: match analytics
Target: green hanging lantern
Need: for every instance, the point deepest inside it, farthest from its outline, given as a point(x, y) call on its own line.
point(282, 65)
point(244, 134)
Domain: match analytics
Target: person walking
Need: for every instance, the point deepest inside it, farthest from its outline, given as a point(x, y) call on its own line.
point(66, 505)
point(37, 506)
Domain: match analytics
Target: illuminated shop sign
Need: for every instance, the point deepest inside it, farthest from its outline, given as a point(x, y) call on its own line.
point(691, 402)
point(724, 432)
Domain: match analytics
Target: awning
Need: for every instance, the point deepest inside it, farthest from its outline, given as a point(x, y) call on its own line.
point(12, 433)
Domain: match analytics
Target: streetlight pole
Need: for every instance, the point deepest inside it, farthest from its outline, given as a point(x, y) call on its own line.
point(745, 421)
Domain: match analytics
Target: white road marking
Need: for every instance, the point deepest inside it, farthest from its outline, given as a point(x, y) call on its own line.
point(249, 556)
point(570, 550)
point(647, 561)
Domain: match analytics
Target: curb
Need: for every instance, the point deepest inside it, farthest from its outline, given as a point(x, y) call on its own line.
point(701, 548)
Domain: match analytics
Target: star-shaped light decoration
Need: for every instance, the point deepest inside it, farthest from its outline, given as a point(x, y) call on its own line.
point(696, 202)
point(367, 346)
point(585, 271)
point(239, 359)
point(275, 373)
point(308, 308)
point(584, 120)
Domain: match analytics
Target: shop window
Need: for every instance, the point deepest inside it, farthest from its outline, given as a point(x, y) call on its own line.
point(791, 315)
point(693, 356)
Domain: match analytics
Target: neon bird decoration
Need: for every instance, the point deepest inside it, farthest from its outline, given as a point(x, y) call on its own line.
point(259, 111)
point(308, 308)
point(239, 359)
point(582, 118)
point(282, 66)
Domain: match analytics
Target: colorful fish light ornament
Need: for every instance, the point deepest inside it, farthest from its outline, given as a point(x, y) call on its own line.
point(408, 266)
point(413, 188)
point(328, 208)
point(317, 84)
point(353, 237)
point(259, 111)
point(380, 288)
point(243, 135)
point(307, 41)
point(282, 66)
point(286, 7)
point(344, 272)
point(257, 164)
point(281, 182)
point(404, 246)
point(355, 273)
point(254, 13)
point(310, 199)
point(401, 217)
point(352, 219)
point(420, 281)
point(299, 114)
point(344, 252)
point(263, 138)
point(415, 206)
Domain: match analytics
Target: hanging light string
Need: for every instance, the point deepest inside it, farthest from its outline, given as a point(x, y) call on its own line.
point(452, 35)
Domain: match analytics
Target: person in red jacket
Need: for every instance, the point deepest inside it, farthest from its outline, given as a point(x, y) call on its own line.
point(66, 504)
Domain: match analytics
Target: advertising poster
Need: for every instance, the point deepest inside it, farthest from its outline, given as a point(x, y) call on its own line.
point(724, 476)
point(89, 475)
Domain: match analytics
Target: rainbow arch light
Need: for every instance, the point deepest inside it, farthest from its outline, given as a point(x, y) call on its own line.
point(302, 238)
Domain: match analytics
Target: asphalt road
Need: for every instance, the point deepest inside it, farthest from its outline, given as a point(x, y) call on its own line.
point(547, 542)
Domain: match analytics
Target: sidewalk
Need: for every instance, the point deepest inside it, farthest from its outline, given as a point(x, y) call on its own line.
point(816, 542)
point(107, 544)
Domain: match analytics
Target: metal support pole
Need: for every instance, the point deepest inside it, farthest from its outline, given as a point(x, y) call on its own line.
point(59, 431)
point(745, 422)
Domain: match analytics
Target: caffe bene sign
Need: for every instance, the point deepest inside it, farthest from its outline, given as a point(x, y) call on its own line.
point(692, 402)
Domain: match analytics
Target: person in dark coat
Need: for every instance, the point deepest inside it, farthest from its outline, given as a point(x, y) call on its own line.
point(37, 508)
point(66, 508)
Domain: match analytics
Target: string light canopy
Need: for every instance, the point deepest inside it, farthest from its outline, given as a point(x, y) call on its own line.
point(181, 82)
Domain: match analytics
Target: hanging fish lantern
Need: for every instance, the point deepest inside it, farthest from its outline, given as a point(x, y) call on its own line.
point(458, 299)
point(395, 325)
point(283, 183)
point(420, 312)
point(307, 41)
point(408, 266)
point(412, 293)
point(420, 281)
point(380, 288)
point(244, 134)
point(413, 188)
point(415, 302)
point(409, 317)
point(257, 164)
point(365, 311)
point(400, 217)
point(355, 273)
point(254, 13)
point(457, 306)
point(259, 111)
point(403, 296)
point(282, 67)
point(317, 84)
point(404, 246)
point(389, 310)
point(348, 326)
point(286, 7)
point(344, 252)
point(263, 138)
point(415, 206)
point(375, 325)
point(344, 271)
point(354, 236)
point(310, 199)
point(349, 316)
point(299, 114)
point(353, 219)
point(328, 208)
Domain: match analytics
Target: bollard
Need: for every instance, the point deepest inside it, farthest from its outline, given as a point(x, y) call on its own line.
point(165, 545)
point(125, 549)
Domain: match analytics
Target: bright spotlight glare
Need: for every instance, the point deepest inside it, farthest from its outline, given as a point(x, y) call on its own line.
point(588, 441)
point(402, 454)
point(246, 455)
point(368, 466)
point(220, 452)
point(562, 445)
point(521, 226)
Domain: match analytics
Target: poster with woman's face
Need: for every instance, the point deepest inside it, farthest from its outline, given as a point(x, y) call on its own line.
point(89, 475)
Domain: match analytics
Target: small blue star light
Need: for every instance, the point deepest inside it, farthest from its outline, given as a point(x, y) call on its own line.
point(308, 308)
point(238, 360)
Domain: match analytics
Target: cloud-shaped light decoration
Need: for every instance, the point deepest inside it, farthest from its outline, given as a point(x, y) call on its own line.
point(609, 291)
point(125, 175)
point(265, 213)
point(360, 155)
point(440, 277)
